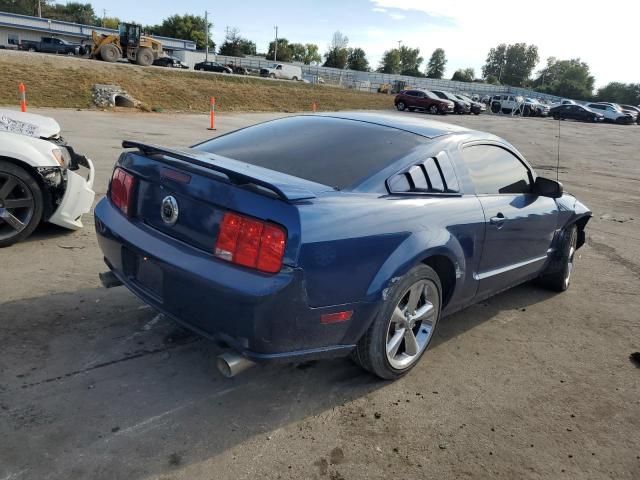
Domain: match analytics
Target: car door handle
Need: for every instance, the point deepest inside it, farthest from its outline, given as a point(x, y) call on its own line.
point(498, 220)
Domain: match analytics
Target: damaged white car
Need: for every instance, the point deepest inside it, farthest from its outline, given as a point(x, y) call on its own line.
point(41, 177)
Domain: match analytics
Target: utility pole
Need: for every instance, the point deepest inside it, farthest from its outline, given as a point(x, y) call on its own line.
point(399, 44)
point(275, 48)
point(104, 16)
point(206, 38)
point(40, 8)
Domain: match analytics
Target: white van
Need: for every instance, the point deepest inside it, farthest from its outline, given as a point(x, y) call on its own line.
point(283, 71)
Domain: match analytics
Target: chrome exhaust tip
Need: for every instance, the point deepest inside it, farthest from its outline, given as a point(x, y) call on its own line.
point(231, 364)
point(109, 279)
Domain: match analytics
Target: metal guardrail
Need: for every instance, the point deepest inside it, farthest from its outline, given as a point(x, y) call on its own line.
point(53, 27)
point(371, 81)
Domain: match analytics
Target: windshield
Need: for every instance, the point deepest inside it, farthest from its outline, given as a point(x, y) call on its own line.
point(462, 97)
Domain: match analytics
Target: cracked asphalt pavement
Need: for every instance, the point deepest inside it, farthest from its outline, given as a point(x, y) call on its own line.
point(529, 384)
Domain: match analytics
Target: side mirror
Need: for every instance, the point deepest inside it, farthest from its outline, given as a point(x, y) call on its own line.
point(547, 188)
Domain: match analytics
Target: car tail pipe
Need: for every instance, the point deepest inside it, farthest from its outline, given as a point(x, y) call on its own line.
point(232, 363)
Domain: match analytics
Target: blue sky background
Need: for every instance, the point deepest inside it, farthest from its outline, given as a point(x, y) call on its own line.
point(461, 27)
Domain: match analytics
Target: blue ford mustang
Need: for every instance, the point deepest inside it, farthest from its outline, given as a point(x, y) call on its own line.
point(326, 235)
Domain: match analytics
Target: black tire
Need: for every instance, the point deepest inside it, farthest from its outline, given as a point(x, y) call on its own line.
point(295, 79)
point(401, 106)
point(556, 116)
point(28, 186)
point(144, 57)
point(433, 109)
point(495, 107)
point(370, 352)
point(110, 53)
point(557, 276)
point(272, 75)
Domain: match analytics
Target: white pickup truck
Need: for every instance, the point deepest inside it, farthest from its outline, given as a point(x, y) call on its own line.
point(42, 178)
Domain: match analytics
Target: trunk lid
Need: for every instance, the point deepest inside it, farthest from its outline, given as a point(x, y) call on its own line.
point(204, 186)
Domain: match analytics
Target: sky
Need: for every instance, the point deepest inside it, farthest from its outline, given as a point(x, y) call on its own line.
point(466, 29)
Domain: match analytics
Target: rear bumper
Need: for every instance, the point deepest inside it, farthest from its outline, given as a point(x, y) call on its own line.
point(264, 317)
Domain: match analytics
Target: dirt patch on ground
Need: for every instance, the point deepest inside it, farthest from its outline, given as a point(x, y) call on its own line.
point(55, 81)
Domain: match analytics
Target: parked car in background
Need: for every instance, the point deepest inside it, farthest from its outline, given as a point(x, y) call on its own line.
point(422, 100)
point(265, 226)
point(486, 99)
point(42, 178)
point(53, 45)
point(620, 108)
point(534, 108)
point(460, 106)
point(282, 71)
point(238, 69)
point(576, 112)
point(633, 108)
point(506, 103)
point(212, 67)
point(170, 62)
point(476, 107)
point(611, 113)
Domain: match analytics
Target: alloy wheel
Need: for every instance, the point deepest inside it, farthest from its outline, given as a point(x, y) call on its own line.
point(412, 324)
point(17, 206)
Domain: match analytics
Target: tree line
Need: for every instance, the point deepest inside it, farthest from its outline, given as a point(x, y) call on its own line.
point(509, 64)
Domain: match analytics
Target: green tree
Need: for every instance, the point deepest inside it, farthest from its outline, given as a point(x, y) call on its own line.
point(390, 62)
point(627, 93)
point(357, 60)
point(511, 64)
point(410, 61)
point(337, 53)
point(464, 75)
point(306, 53)
point(236, 46)
point(22, 7)
point(565, 78)
point(72, 12)
point(185, 27)
point(312, 54)
point(110, 22)
point(284, 53)
point(437, 64)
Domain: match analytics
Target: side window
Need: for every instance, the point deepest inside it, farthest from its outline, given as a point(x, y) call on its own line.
point(495, 170)
point(13, 39)
point(410, 93)
point(434, 175)
point(279, 67)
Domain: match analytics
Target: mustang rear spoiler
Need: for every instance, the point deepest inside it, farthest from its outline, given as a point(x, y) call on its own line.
point(266, 179)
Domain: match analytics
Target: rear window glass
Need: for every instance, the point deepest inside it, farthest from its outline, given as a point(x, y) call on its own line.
point(331, 151)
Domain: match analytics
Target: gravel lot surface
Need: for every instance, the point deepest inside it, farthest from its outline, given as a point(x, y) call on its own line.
point(527, 385)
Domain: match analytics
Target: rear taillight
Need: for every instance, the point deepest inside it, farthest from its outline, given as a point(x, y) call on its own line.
point(251, 243)
point(121, 190)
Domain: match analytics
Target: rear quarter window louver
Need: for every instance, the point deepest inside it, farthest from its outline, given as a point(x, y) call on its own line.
point(433, 176)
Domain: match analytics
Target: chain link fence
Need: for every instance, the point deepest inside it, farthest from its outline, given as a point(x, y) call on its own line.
point(369, 81)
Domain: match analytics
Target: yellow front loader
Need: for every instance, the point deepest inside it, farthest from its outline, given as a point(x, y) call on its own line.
point(129, 43)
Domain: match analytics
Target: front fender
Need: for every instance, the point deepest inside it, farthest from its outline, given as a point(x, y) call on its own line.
point(570, 211)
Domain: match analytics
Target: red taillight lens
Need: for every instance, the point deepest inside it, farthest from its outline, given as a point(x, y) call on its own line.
point(121, 190)
point(251, 243)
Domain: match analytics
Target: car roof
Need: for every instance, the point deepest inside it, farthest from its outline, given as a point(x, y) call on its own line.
point(411, 124)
